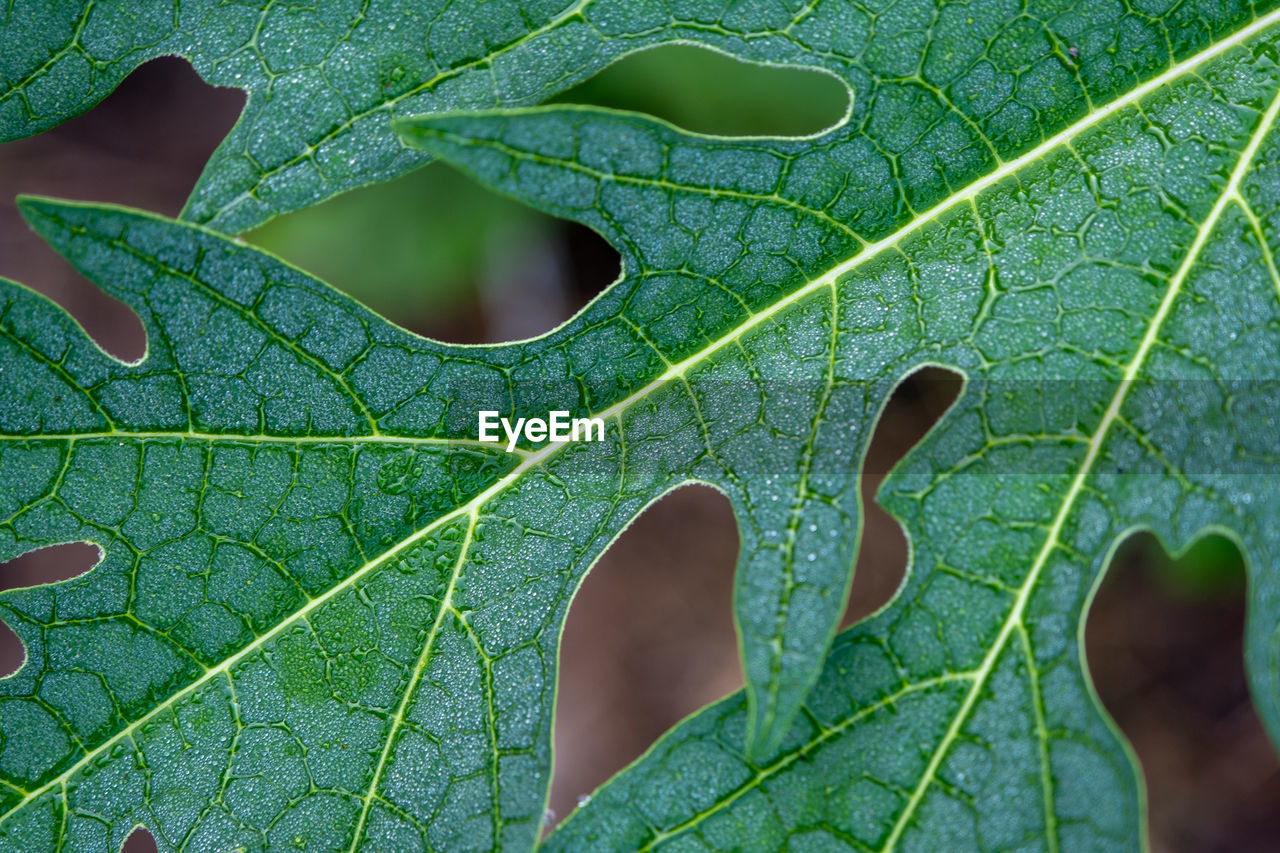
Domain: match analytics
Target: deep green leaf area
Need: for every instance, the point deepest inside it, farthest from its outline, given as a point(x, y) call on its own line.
point(327, 617)
point(325, 80)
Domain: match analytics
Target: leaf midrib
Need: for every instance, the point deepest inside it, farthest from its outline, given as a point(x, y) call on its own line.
point(675, 371)
point(776, 766)
point(415, 677)
point(1013, 622)
point(261, 438)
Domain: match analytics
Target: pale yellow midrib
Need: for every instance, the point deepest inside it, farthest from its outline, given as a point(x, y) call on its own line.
point(1228, 196)
point(534, 459)
point(259, 438)
point(790, 758)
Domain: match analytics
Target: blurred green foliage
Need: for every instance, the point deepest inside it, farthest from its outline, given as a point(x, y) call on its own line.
point(707, 92)
point(1212, 567)
point(411, 249)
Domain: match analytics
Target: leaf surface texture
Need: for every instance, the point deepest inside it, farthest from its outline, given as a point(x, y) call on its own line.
point(327, 616)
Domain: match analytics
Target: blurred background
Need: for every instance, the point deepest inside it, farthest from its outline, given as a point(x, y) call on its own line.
point(650, 635)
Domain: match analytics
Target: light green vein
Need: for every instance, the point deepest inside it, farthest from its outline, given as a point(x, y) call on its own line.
point(237, 438)
point(385, 106)
point(415, 677)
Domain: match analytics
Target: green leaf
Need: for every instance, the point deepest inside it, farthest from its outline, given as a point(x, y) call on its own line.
point(1090, 262)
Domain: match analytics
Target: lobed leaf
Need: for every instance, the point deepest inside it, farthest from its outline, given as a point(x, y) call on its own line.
point(1092, 262)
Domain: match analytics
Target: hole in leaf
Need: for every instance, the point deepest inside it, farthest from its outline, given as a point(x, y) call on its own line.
point(438, 254)
point(125, 150)
point(46, 565)
point(49, 565)
point(705, 91)
point(1164, 643)
point(139, 841)
point(12, 653)
point(649, 639)
point(915, 406)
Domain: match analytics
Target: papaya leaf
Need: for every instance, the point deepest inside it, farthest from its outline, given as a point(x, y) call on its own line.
point(327, 615)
